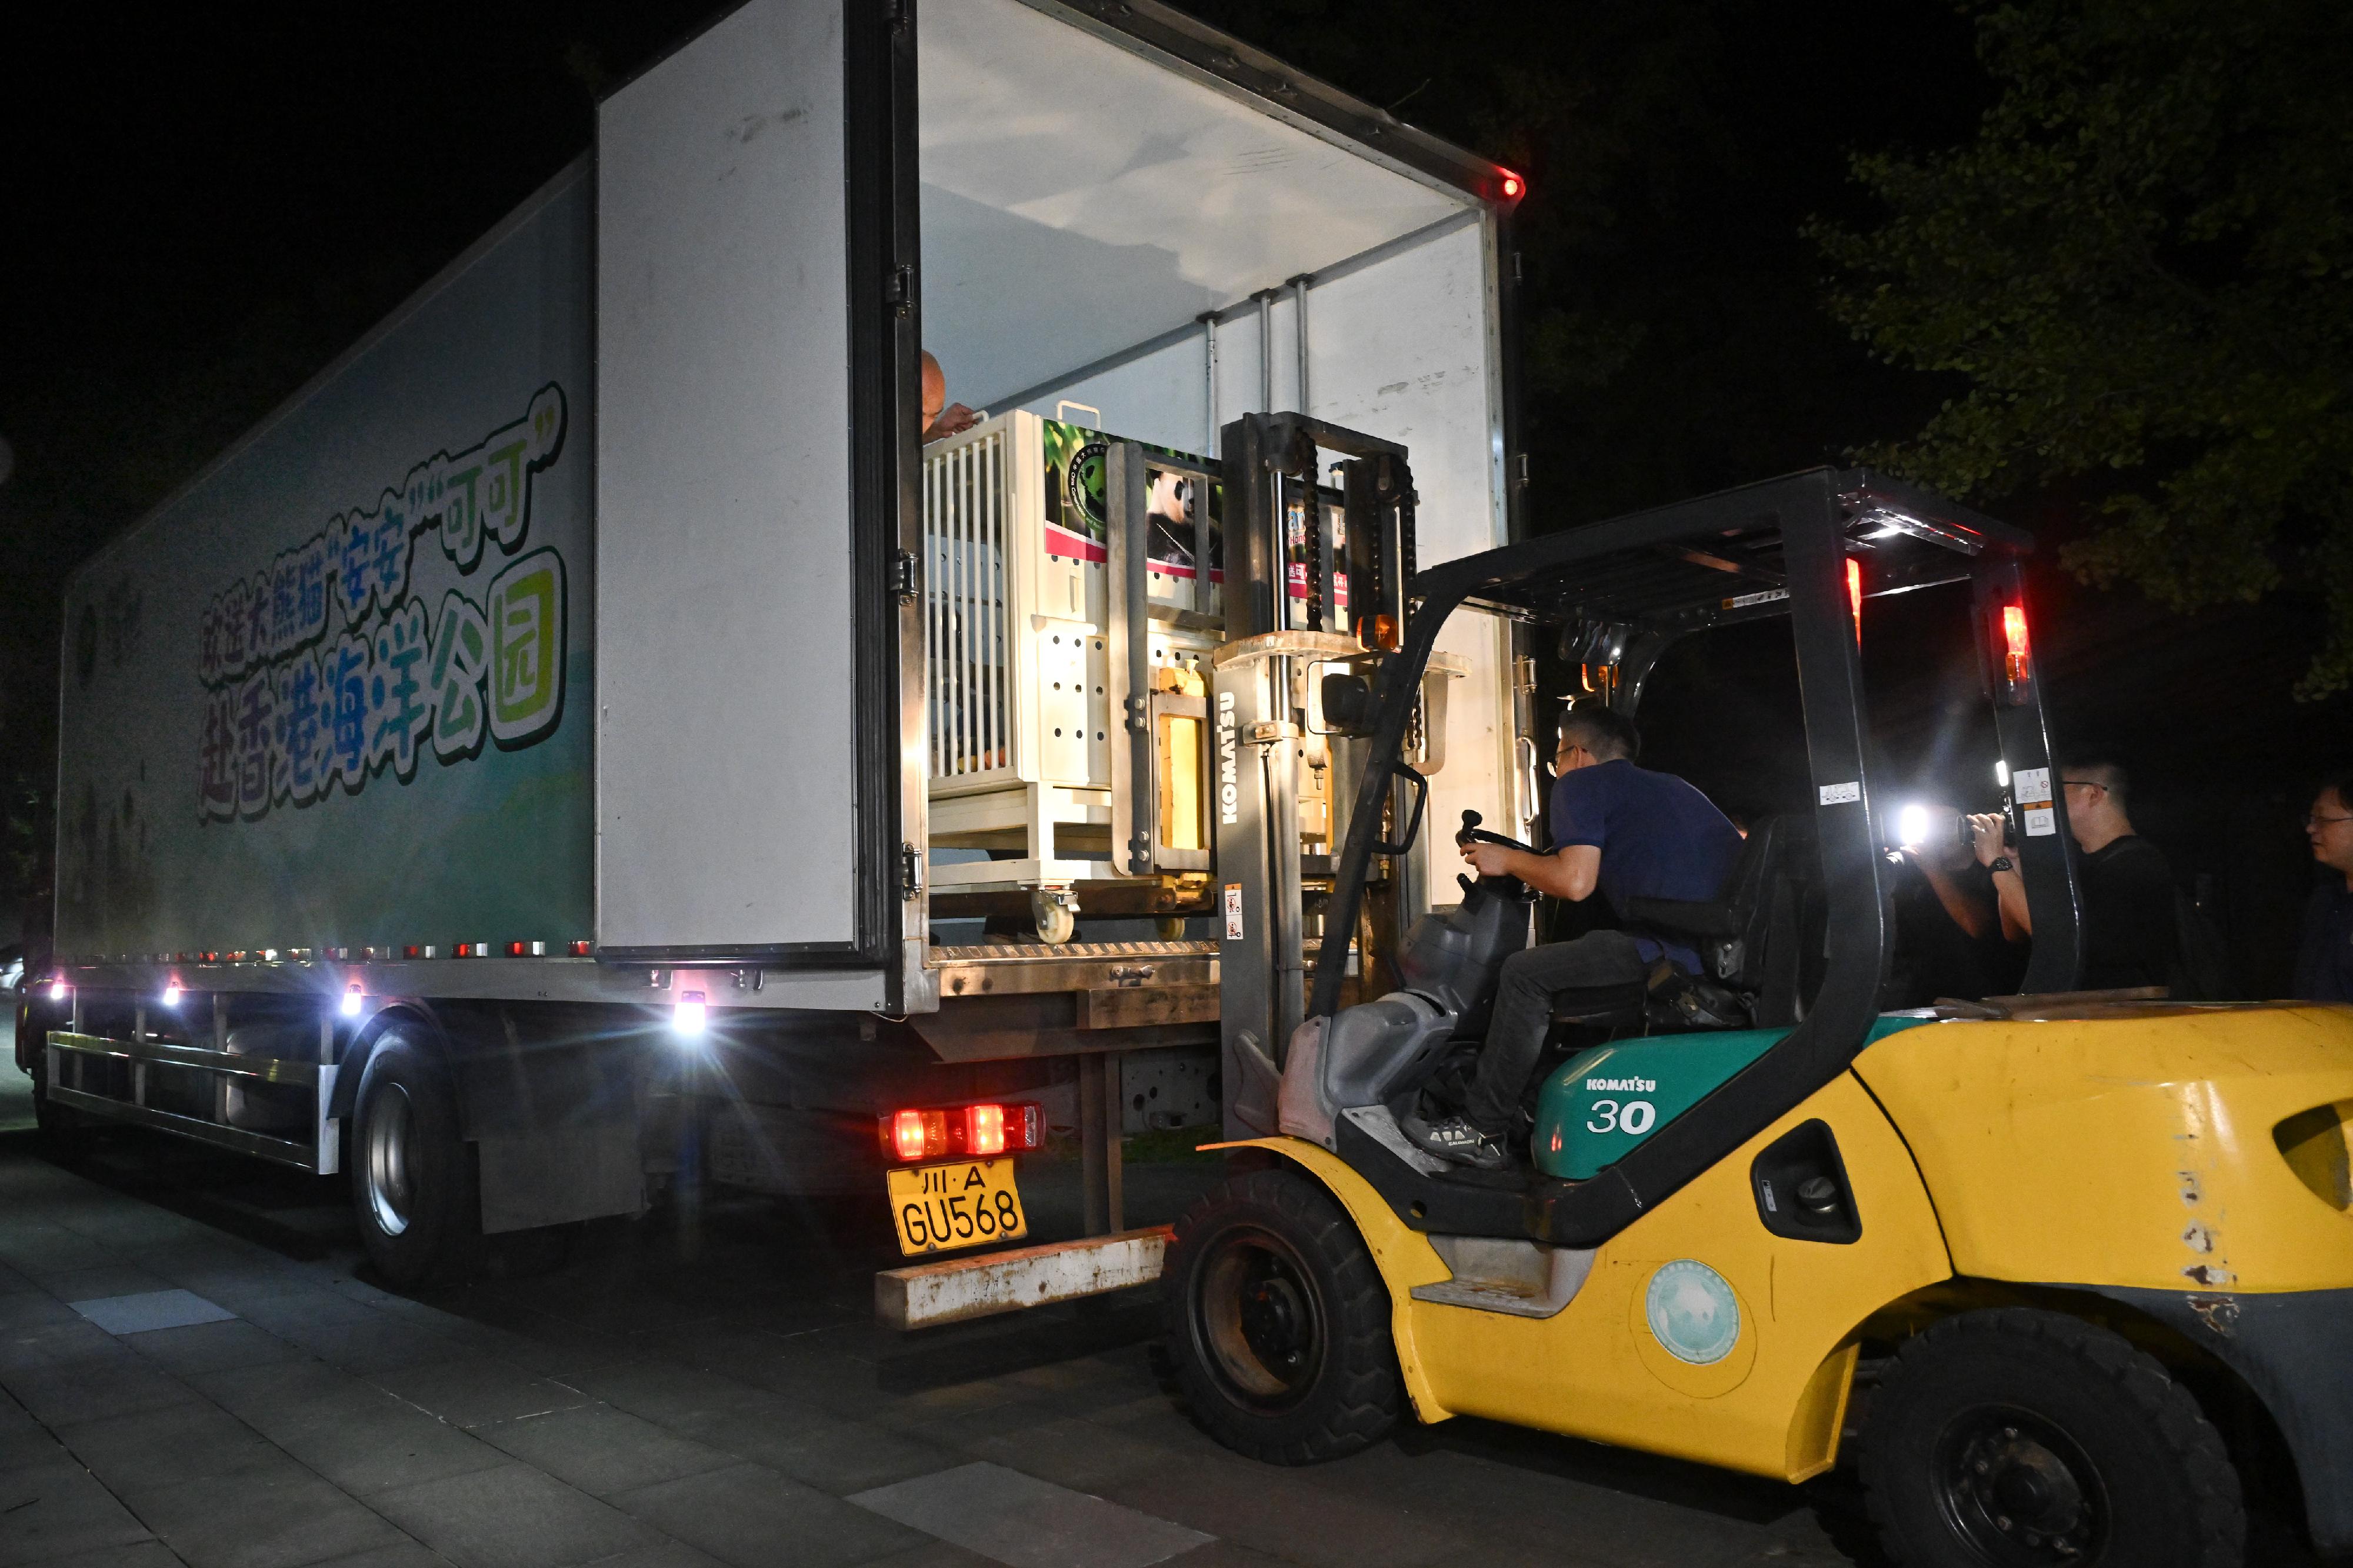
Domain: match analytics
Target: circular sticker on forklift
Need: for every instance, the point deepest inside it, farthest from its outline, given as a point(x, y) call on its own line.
point(1692, 1313)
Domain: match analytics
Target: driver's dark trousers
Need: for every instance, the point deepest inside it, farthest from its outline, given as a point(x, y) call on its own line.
point(1524, 1003)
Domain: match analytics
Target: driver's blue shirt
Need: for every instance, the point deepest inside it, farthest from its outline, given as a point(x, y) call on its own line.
point(1659, 837)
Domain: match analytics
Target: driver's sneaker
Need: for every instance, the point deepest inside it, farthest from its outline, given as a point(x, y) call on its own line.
point(1455, 1139)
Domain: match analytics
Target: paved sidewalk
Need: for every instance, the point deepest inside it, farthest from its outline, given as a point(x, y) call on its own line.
point(661, 1403)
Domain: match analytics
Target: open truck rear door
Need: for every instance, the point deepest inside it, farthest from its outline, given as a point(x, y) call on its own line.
point(757, 401)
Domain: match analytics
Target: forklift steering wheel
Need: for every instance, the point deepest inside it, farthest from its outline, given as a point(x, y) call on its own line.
point(1473, 833)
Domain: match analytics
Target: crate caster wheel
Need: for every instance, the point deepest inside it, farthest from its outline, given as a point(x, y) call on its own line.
point(1055, 913)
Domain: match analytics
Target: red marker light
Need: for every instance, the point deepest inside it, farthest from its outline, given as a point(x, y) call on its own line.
point(1854, 595)
point(1513, 185)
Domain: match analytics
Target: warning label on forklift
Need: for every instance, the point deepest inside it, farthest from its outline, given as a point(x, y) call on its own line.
point(1233, 912)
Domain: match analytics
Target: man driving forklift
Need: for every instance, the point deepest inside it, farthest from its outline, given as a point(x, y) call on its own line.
point(1630, 832)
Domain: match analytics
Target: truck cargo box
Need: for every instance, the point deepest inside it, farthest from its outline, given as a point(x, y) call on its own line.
point(567, 639)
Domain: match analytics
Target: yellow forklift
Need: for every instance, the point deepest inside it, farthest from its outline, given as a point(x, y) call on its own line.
point(2055, 1262)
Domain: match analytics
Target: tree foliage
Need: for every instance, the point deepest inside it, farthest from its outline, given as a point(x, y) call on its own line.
point(2140, 265)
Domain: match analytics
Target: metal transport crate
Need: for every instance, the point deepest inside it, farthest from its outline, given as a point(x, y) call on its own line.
point(1024, 683)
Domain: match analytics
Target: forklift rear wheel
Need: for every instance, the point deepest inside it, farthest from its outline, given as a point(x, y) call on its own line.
point(1279, 1321)
point(412, 1178)
point(2016, 1438)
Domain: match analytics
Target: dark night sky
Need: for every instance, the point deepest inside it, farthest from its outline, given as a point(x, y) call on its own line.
point(205, 205)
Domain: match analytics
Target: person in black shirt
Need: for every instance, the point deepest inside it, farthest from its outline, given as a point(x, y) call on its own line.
point(2130, 936)
point(2324, 961)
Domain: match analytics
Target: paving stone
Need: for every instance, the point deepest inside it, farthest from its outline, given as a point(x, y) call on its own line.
point(224, 1346)
point(837, 1457)
point(400, 1554)
point(146, 1311)
point(21, 1311)
point(276, 1516)
point(93, 1387)
point(940, 1554)
point(365, 1441)
point(1024, 1522)
point(120, 1278)
point(1072, 1452)
point(138, 1554)
point(477, 1390)
point(741, 1514)
point(667, 1395)
point(1279, 1510)
point(151, 1449)
point(511, 1517)
point(602, 1450)
point(375, 1343)
point(55, 1510)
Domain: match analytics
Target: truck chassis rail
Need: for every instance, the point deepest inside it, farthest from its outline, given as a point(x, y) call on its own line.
point(321, 1155)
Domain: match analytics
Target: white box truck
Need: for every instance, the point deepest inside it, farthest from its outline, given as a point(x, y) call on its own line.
point(552, 755)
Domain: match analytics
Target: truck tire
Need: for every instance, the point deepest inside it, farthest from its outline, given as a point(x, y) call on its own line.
point(1278, 1322)
point(2020, 1437)
point(413, 1180)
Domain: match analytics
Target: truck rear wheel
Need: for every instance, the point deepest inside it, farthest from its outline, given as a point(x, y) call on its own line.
point(1279, 1321)
point(2016, 1438)
point(412, 1180)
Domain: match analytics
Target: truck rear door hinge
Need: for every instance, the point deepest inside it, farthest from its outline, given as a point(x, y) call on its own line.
point(910, 871)
point(904, 583)
point(899, 289)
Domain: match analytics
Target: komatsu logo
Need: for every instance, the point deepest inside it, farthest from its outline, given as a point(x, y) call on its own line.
point(1624, 1085)
point(1228, 790)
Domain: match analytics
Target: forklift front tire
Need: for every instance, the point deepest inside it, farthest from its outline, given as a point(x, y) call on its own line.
point(2020, 1437)
point(1279, 1322)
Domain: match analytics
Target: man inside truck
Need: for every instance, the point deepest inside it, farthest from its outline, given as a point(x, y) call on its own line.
point(941, 418)
point(1627, 831)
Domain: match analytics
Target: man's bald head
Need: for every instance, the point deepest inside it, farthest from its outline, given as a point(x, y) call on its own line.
point(935, 389)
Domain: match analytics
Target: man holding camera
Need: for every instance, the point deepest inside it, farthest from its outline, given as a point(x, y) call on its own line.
point(2130, 934)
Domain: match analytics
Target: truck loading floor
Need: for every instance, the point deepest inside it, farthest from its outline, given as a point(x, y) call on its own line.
point(212, 1383)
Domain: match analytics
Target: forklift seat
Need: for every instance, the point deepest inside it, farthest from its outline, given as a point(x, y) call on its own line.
point(1750, 937)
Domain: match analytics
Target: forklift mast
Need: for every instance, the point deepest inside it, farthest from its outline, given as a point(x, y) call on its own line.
point(1316, 585)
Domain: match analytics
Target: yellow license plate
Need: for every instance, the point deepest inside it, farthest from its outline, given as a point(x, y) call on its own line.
point(969, 1203)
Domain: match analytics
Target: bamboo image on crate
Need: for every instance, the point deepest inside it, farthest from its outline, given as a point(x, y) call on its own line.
point(1017, 674)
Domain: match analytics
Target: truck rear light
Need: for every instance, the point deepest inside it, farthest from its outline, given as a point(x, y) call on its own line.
point(963, 1131)
point(984, 1129)
point(56, 990)
point(1854, 595)
point(577, 949)
point(2013, 659)
point(913, 1134)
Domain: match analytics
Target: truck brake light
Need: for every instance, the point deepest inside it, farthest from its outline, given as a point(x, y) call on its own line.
point(963, 1130)
point(1854, 595)
point(2017, 659)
